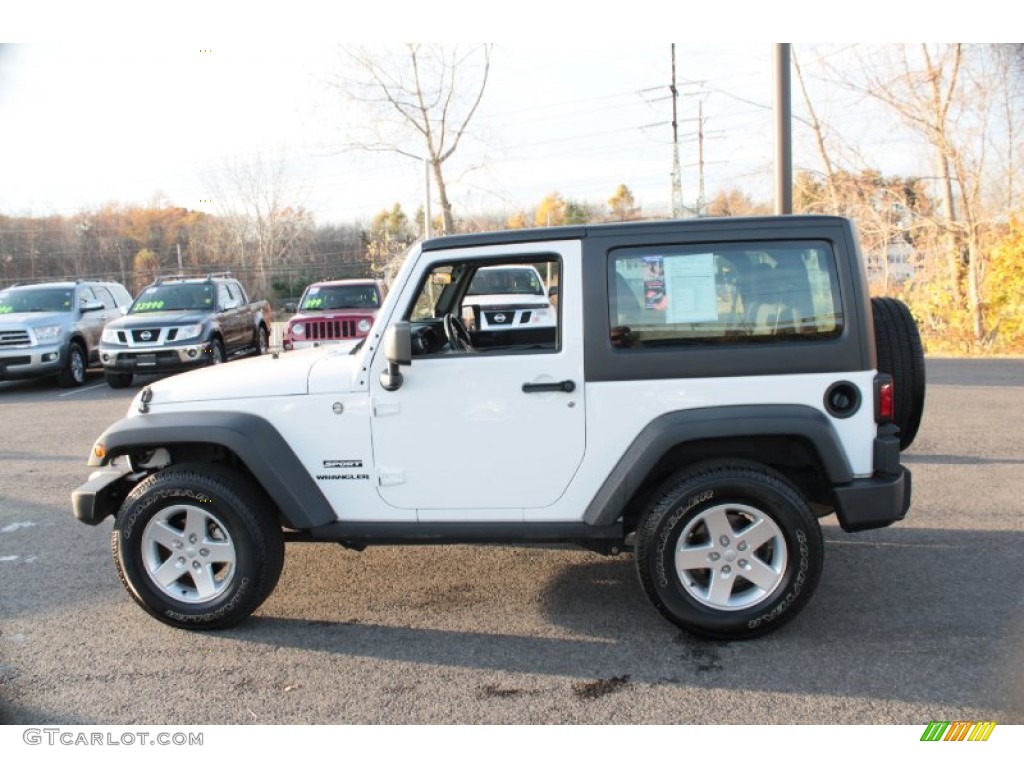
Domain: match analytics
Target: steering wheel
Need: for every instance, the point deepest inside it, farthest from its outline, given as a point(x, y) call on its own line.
point(458, 337)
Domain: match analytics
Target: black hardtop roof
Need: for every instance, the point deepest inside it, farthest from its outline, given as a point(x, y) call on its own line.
point(628, 228)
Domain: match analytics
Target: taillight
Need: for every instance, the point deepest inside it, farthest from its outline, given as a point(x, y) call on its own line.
point(885, 395)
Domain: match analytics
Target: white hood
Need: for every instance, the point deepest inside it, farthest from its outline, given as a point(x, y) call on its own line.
point(265, 376)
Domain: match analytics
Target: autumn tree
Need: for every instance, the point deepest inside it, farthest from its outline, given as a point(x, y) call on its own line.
point(551, 211)
point(735, 202)
point(517, 220)
point(950, 96)
point(622, 204)
point(1004, 287)
point(145, 268)
point(268, 227)
point(422, 99)
point(389, 235)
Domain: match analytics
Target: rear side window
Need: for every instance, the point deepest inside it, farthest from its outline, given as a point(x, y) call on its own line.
point(723, 294)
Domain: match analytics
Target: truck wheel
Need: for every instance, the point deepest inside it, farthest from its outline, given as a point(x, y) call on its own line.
point(216, 352)
point(197, 547)
point(262, 341)
point(901, 355)
point(73, 372)
point(729, 550)
point(118, 380)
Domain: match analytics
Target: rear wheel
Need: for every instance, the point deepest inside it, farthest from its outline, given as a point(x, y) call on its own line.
point(729, 550)
point(901, 355)
point(198, 547)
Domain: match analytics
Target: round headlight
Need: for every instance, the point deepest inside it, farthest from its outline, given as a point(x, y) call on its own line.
point(298, 329)
point(364, 325)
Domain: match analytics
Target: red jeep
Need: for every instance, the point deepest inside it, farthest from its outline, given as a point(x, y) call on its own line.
point(334, 311)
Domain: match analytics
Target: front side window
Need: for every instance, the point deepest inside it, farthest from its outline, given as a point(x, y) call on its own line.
point(484, 307)
point(721, 294)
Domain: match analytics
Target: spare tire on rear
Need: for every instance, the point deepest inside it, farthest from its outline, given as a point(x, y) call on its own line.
point(901, 355)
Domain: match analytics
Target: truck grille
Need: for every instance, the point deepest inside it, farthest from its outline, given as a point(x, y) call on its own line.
point(330, 329)
point(146, 335)
point(14, 339)
point(501, 317)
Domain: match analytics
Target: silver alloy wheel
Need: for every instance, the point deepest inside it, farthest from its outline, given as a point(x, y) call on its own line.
point(731, 557)
point(77, 363)
point(188, 554)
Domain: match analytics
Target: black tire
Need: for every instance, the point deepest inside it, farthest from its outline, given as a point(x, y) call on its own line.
point(771, 537)
point(216, 352)
point(262, 341)
point(158, 546)
point(73, 372)
point(901, 355)
point(118, 380)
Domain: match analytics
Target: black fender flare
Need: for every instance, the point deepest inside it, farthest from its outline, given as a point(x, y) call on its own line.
point(253, 439)
point(678, 427)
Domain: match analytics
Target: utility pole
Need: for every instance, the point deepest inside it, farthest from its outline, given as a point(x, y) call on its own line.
point(426, 200)
point(700, 157)
point(677, 182)
point(783, 132)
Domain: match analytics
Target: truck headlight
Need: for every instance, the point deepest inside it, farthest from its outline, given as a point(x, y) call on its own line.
point(109, 336)
point(189, 331)
point(48, 332)
point(364, 325)
point(298, 329)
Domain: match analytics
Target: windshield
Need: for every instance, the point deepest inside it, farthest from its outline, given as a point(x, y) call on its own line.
point(174, 297)
point(506, 280)
point(322, 297)
point(36, 300)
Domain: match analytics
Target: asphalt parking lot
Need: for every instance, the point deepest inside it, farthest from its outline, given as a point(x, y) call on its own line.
point(921, 621)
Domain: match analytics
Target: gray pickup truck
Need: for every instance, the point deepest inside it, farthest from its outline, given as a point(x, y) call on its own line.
point(179, 323)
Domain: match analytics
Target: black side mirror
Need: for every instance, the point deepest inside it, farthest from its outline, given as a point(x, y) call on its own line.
point(398, 351)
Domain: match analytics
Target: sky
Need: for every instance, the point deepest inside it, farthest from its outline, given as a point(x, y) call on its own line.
point(159, 110)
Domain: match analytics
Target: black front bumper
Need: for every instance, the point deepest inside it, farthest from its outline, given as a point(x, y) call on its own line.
point(102, 494)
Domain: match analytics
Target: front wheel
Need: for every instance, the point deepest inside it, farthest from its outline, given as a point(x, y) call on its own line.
point(73, 372)
point(118, 380)
point(198, 547)
point(729, 550)
point(262, 341)
point(216, 352)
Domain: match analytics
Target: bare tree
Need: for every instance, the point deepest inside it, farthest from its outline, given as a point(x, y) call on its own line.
point(266, 221)
point(945, 94)
point(422, 100)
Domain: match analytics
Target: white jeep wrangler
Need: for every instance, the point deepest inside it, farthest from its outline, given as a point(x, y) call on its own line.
point(709, 388)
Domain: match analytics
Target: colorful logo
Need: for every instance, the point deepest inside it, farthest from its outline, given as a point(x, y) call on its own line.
point(958, 730)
